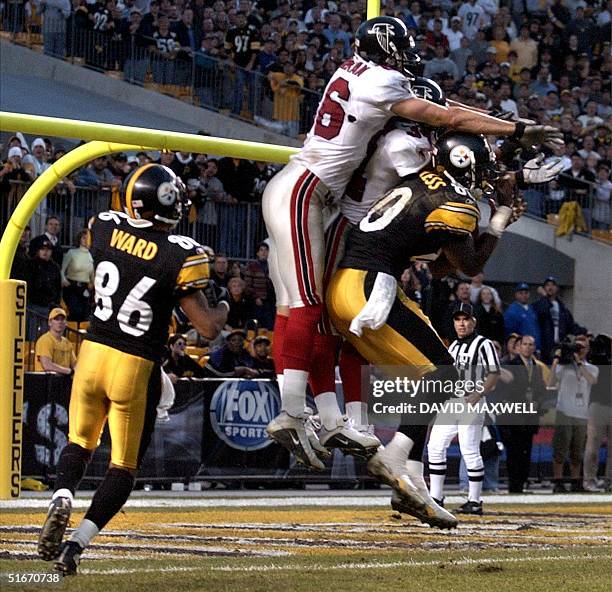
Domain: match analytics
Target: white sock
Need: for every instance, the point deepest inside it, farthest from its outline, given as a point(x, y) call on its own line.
point(474, 491)
point(329, 411)
point(63, 493)
point(436, 486)
point(293, 395)
point(279, 380)
point(399, 448)
point(415, 471)
point(86, 531)
point(358, 412)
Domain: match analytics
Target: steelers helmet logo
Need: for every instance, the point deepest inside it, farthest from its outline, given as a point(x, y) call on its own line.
point(461, 157)
point(167, 193)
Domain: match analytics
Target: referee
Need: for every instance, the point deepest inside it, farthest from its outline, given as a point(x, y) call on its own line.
point(476, 360)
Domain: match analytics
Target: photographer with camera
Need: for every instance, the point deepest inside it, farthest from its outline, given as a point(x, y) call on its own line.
point(573, 376)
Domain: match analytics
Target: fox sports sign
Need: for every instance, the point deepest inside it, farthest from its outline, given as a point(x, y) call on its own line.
point(240, 411)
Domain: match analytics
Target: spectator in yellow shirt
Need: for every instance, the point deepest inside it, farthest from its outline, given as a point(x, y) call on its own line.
point(526, 49)
point(54, 353)
point(500, 43)
point(287, 89)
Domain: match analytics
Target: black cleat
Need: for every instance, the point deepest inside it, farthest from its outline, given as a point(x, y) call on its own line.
point(54, 528)
point(69, 558)
point(440, 502)
point(559, 487)
point(474, 508)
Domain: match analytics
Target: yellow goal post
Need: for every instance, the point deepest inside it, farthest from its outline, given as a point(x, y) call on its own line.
point(105, 139)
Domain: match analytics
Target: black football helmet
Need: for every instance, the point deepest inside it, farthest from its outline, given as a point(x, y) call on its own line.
point(425, 88)
point(468, 159)
point(153, 193)
point(385, 40)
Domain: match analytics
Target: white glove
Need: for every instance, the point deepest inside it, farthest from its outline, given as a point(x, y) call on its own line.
point(536, 172)
point(166, 399)
point(376, 310)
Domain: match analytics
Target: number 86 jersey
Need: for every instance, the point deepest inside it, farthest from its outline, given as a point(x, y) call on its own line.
point(139, 274)
point(356, 104)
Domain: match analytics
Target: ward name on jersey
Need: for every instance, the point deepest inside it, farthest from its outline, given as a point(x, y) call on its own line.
point(356, 104)
point(417, 218)
point(139, 273)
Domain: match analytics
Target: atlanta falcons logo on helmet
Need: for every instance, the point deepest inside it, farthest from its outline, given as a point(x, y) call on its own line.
point(384, 32)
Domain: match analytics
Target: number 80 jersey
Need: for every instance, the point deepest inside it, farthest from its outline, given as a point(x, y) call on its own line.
point(139, 273)
point(415, 220)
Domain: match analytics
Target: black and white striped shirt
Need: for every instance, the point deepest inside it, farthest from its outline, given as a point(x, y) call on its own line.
point(475, 357)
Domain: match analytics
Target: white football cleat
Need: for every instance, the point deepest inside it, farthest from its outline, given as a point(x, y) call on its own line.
point(290, 433)
point(433, 514)
point(313, 425)
point(389, 470)
point(350, 440)
point(386, 467)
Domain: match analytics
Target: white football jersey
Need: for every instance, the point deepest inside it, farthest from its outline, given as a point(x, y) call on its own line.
point(403, 150)
point(356, 105)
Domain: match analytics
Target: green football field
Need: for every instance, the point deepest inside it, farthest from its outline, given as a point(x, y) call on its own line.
point(349, 543)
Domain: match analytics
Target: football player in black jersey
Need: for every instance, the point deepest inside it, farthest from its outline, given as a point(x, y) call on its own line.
point(432, 212)
point(141, 272)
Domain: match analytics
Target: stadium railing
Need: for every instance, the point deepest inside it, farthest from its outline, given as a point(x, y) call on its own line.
point(233, 229)
point(197, 78)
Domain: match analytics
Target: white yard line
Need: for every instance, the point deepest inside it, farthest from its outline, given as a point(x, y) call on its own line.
point(395, 564)
point(122, 571)
point(342, 566)
point(379, 501)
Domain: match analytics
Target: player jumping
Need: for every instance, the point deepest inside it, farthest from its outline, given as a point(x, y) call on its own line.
point(432, 212)
point(362, 95)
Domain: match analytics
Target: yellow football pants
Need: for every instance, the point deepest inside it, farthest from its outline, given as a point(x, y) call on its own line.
point(407, 339)
point(125, 389)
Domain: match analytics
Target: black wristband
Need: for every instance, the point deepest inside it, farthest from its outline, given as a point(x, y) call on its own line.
point(520, 180)
point(519, 130)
